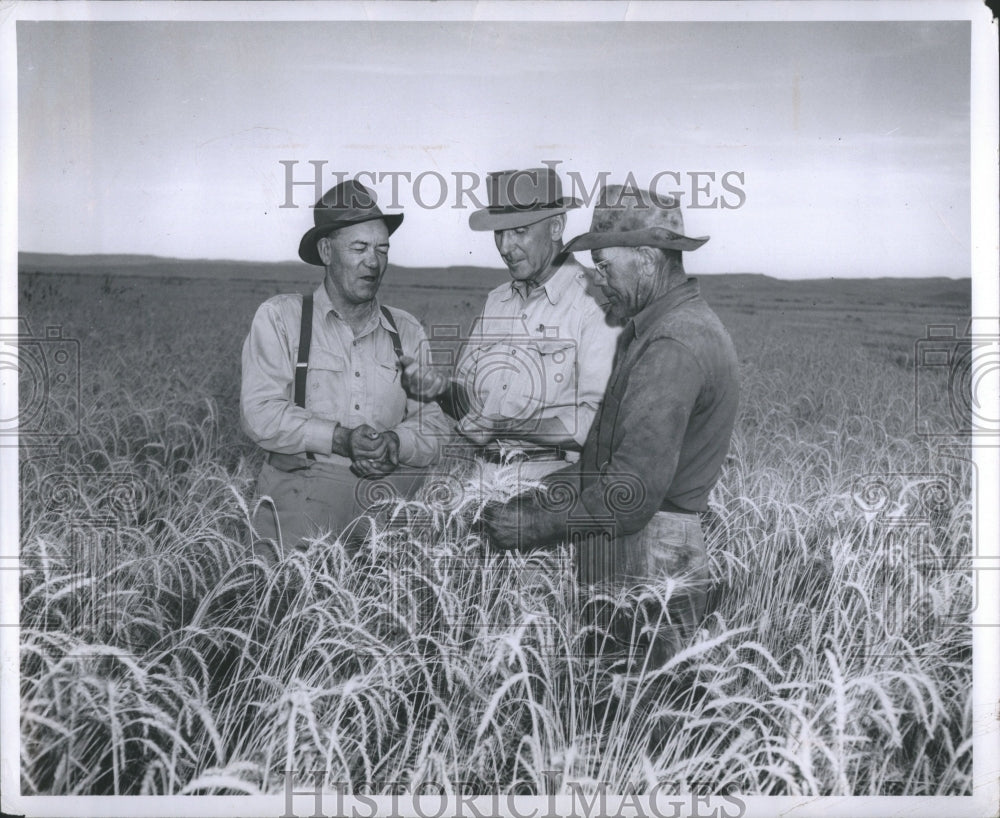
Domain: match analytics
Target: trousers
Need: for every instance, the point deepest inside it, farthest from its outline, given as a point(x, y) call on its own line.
point(322, 499)
point(653, 627)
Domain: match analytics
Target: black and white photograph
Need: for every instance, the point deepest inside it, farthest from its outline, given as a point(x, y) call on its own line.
point(528, 409)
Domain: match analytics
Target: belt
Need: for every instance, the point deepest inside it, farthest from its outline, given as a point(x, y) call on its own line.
point(306, 462)
point(288, 462)
point(520, 455)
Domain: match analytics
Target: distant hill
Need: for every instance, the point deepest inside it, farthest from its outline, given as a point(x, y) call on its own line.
point(280, 271)
point(868, 294)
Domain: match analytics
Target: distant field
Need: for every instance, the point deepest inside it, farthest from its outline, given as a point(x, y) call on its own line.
point(837, 660)
point(883, 317)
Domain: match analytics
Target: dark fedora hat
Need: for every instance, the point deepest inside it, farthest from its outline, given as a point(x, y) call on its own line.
point(345, 204)
point(521, 197)
point(629, 217)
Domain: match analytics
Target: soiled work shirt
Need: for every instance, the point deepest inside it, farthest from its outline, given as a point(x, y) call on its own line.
point(539, 355)
point(663, 430)
point(351, 380)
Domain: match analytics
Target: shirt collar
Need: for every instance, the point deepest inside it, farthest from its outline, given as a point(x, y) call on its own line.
point(661, 306)
point(322, 300)
point(325, 305)
point(558, 283)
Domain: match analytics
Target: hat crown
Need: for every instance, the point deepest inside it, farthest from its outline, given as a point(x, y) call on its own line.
point(523, 189)
point(517, 198)
point(347, 202)
point(621, 209)
point(626, 216)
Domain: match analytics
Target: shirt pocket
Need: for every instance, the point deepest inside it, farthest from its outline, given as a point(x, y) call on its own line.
point(386, 396)
point(326, 390)
point(486, 372)
point(554, 381)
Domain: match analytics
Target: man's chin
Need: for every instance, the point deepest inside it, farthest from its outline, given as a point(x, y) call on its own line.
point(615, 315)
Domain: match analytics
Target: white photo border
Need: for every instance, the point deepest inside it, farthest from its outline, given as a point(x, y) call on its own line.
point(985, 299)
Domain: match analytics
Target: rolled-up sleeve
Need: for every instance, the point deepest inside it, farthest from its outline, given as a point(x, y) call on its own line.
point(268, 412)
point(421, 434)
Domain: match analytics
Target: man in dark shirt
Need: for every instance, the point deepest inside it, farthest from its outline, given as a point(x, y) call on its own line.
point(656, 448)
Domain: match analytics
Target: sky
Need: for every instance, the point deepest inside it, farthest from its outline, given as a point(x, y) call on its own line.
point(848, 142)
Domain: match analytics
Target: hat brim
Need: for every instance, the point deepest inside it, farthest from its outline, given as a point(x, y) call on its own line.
point(486, 219)
point(308, 251)
point(650, 237)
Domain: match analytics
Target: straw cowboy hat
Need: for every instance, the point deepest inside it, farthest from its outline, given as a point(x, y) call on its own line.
point(628, 217)
point(521, 197)
point(348, 203)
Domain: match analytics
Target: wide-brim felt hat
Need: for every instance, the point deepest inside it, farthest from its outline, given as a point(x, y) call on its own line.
point(345, 204)
point(518, 198)
point(629, 217)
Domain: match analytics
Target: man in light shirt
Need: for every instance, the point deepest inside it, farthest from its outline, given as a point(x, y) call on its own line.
point(321, 389)
point(532, 372)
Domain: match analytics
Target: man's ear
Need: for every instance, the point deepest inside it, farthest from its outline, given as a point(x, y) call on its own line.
point(557, 224)
point(323, 248)
point(649, 260)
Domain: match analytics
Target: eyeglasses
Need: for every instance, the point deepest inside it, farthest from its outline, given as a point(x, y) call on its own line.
point(602, 266)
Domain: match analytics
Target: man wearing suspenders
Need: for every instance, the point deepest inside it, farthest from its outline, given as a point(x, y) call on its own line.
point(321, 390)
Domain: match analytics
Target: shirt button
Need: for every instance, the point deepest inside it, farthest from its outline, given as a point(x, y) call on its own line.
point(357, 374)
point(524, 315)
point(357, 406)
point(505, 387)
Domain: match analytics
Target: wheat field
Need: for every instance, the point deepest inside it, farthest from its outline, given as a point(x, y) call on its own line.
point(159, 657)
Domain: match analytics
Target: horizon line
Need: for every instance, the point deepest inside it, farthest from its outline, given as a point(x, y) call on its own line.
point(299, 262)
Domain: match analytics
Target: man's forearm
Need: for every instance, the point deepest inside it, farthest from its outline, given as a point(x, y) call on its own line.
point(454, 401)
point(341, 440)
point(421, 434)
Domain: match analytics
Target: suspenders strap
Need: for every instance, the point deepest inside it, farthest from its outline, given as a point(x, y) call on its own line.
point(397, 347)
point(305, 340)
point(302, 365)
point(393, 332)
